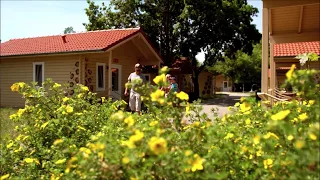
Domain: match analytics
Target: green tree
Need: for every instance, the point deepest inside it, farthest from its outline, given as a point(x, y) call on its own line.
point(218, 28)
point(68, 30)
point(243, 68)
point(156, 17)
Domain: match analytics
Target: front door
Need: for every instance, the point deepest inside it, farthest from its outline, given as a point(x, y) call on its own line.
point(225, 86)
point(116, 81)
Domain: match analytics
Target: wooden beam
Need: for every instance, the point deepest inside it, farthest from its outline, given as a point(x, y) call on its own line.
point(270, 21)
point(301, 17)
point(110, 74)
point(265, 51)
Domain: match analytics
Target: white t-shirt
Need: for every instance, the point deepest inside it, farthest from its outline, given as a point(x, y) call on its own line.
point(134, 76)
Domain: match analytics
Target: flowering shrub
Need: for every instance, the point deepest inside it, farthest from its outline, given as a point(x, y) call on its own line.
point(76, 137)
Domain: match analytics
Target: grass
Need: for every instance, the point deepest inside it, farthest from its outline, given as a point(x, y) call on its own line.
point(7, 126)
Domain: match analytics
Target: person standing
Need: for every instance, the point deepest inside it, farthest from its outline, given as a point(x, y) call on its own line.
point(135, 97)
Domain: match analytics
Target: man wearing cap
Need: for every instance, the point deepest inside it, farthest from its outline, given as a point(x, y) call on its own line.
point(135, 98)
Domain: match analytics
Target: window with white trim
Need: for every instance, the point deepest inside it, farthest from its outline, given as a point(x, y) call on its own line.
point(38, 72)
point(101, 75)
point(147, 76)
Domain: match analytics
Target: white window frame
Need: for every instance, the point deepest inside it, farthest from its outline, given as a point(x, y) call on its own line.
point(145, 75)
point(34, 70)
point(104, 77)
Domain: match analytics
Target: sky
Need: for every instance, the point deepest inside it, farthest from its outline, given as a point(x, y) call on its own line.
point(22, 19)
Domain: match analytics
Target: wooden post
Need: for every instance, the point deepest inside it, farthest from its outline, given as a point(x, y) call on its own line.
point(110, 74)
point(265, 53)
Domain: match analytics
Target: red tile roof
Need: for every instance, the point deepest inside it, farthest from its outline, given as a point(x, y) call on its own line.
point(294, 49)
point(86, 41)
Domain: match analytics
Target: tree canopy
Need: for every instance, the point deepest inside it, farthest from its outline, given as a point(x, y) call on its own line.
point(68, 30)
point(243, 68)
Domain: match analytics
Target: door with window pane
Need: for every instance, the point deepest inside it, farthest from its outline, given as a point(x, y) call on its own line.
point(116, 81)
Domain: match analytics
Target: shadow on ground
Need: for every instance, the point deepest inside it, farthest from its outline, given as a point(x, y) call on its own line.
point(225, 100)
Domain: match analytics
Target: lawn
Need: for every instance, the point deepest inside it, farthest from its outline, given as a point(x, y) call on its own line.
point(7, 126)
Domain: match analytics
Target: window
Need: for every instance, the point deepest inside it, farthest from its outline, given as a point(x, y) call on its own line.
point(147, 77)
point(38, 72)
point(101, 74)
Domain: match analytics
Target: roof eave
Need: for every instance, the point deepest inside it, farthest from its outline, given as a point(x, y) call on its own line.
point(55, 53)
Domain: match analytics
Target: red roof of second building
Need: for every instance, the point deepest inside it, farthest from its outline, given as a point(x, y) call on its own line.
point(294, 49)
point(86, 41)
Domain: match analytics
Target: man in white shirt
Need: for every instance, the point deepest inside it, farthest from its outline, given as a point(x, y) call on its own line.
point(135, 98)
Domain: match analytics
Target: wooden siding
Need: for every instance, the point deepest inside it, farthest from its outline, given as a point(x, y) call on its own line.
point(90, 69)
point(14, 70)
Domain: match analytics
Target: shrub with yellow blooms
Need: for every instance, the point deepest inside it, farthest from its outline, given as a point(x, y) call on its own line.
point(77, 137)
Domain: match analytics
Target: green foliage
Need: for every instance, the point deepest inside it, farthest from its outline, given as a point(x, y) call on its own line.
point(68, 30)
point(243, 68)
point(7, 126)
point(250, 142)
point(307, 57)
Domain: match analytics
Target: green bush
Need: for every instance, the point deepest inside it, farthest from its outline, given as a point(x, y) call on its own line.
point(76, 137)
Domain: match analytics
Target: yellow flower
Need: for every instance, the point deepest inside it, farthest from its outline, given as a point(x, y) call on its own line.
point(290, 137)
point(57, 141)
point(60, 161)
point(196, 124)
point(65, 99)
point(117, 116)
point(84, 88)
point(133, 178)
point(229, 135)
point(153, 123)
point(256, 140)
point(303, 116)
point(259, 153)
point(160, 79)
point(155, 96)
point(44, 125)
point(158, 145)
point(182, 95)
point(299, 144)
point(187, 152)
point(31, 160)
point(96, 146)
point(290, 72)
point(4, 176)
point(229, 108)
point(270, 134)
point(245, 107)
point(248, 121)
point(9, 145)
point(237, 104)
point(188, 108)
point(129, 144)
point(69, 109)
point(164, 70)
point(197, 163)
point(56, 85)
point(85, 150)
point(311, 102)
point(138, 135)
point(129, 120)
point(267, 163)
point(125, 160)
point(312, 136)
point(280, 115)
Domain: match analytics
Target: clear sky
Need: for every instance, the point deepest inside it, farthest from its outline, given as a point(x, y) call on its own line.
point(21, 19)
